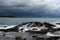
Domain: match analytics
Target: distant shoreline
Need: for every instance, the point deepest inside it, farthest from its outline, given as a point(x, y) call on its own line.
point(8, 17)
point(25, 17)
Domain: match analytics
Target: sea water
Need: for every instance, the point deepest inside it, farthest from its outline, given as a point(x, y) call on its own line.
point(16, 21)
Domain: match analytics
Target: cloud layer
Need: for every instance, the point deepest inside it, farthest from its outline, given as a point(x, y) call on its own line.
point(33, 7)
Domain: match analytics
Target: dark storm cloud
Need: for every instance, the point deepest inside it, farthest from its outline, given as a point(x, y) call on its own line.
point(30, 8)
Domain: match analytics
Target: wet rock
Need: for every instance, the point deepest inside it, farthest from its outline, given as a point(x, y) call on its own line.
point(21, 24)
point(14, 29)
point(38, 24)
point(38, 32)
point(48, 25)
point(19, 38)
point(22, 29)
point(58, 23)
point(24, 39)
point(54, 30)
point(48, 38)
point(34, 36)
point(40, 38)
point(53, 38)
point(34, 24)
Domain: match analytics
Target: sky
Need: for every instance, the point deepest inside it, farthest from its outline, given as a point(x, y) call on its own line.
point(30, 8)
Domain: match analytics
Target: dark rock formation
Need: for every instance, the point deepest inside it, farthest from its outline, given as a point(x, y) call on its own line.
point(39, 24)
point(40, 38)
point(19, 38)
point(14, 29)
point(58, 23)
point(34, 36)
point(35, 24)
point(53, 38)
point(46, 38)
point(43, 31)
point(25, 24)
point(54, 30)
point(48, 25)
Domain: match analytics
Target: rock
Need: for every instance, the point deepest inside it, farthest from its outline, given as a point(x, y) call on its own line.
point(38, 32)
point(24, 39)
point(34, 36)
point(21, 24)
point(14, 29)
point(48, 38)
point(54, 30)
point(38, 24)
point(48, 25)
point(34, 24)
point(53, 38)
point(19, 38)
point(22, 29)
point(40, 39)
point(58, 23)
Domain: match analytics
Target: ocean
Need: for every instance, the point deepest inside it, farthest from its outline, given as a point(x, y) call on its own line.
point(17, 21)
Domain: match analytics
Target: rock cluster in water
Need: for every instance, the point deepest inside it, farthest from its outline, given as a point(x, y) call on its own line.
point(19, 38)
point(36, 28)
point(41, 28)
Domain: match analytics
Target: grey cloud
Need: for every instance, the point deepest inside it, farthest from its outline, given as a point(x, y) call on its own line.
point(39, 7)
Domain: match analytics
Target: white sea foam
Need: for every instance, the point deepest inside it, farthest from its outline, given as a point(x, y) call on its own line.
point(57, 26)
point(26, 28)
point(7, 26)
point(50, 34)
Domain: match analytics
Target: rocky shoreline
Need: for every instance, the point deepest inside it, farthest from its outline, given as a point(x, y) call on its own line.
point(38, 28)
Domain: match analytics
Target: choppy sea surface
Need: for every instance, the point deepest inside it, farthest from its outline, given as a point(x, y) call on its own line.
point(17, 21)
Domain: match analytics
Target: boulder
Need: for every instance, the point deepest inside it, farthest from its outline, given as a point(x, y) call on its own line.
point(14, 29)
point(44, 31)
point(19, 38)
point(58, 23)
point(53, 38)
point(48, 38)
point(38, 24)
point(34, 36)
point(40, 39)
point(54, 30)
point(48, 25)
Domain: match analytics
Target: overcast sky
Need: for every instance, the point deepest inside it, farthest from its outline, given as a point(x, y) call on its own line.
point(30, 8)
